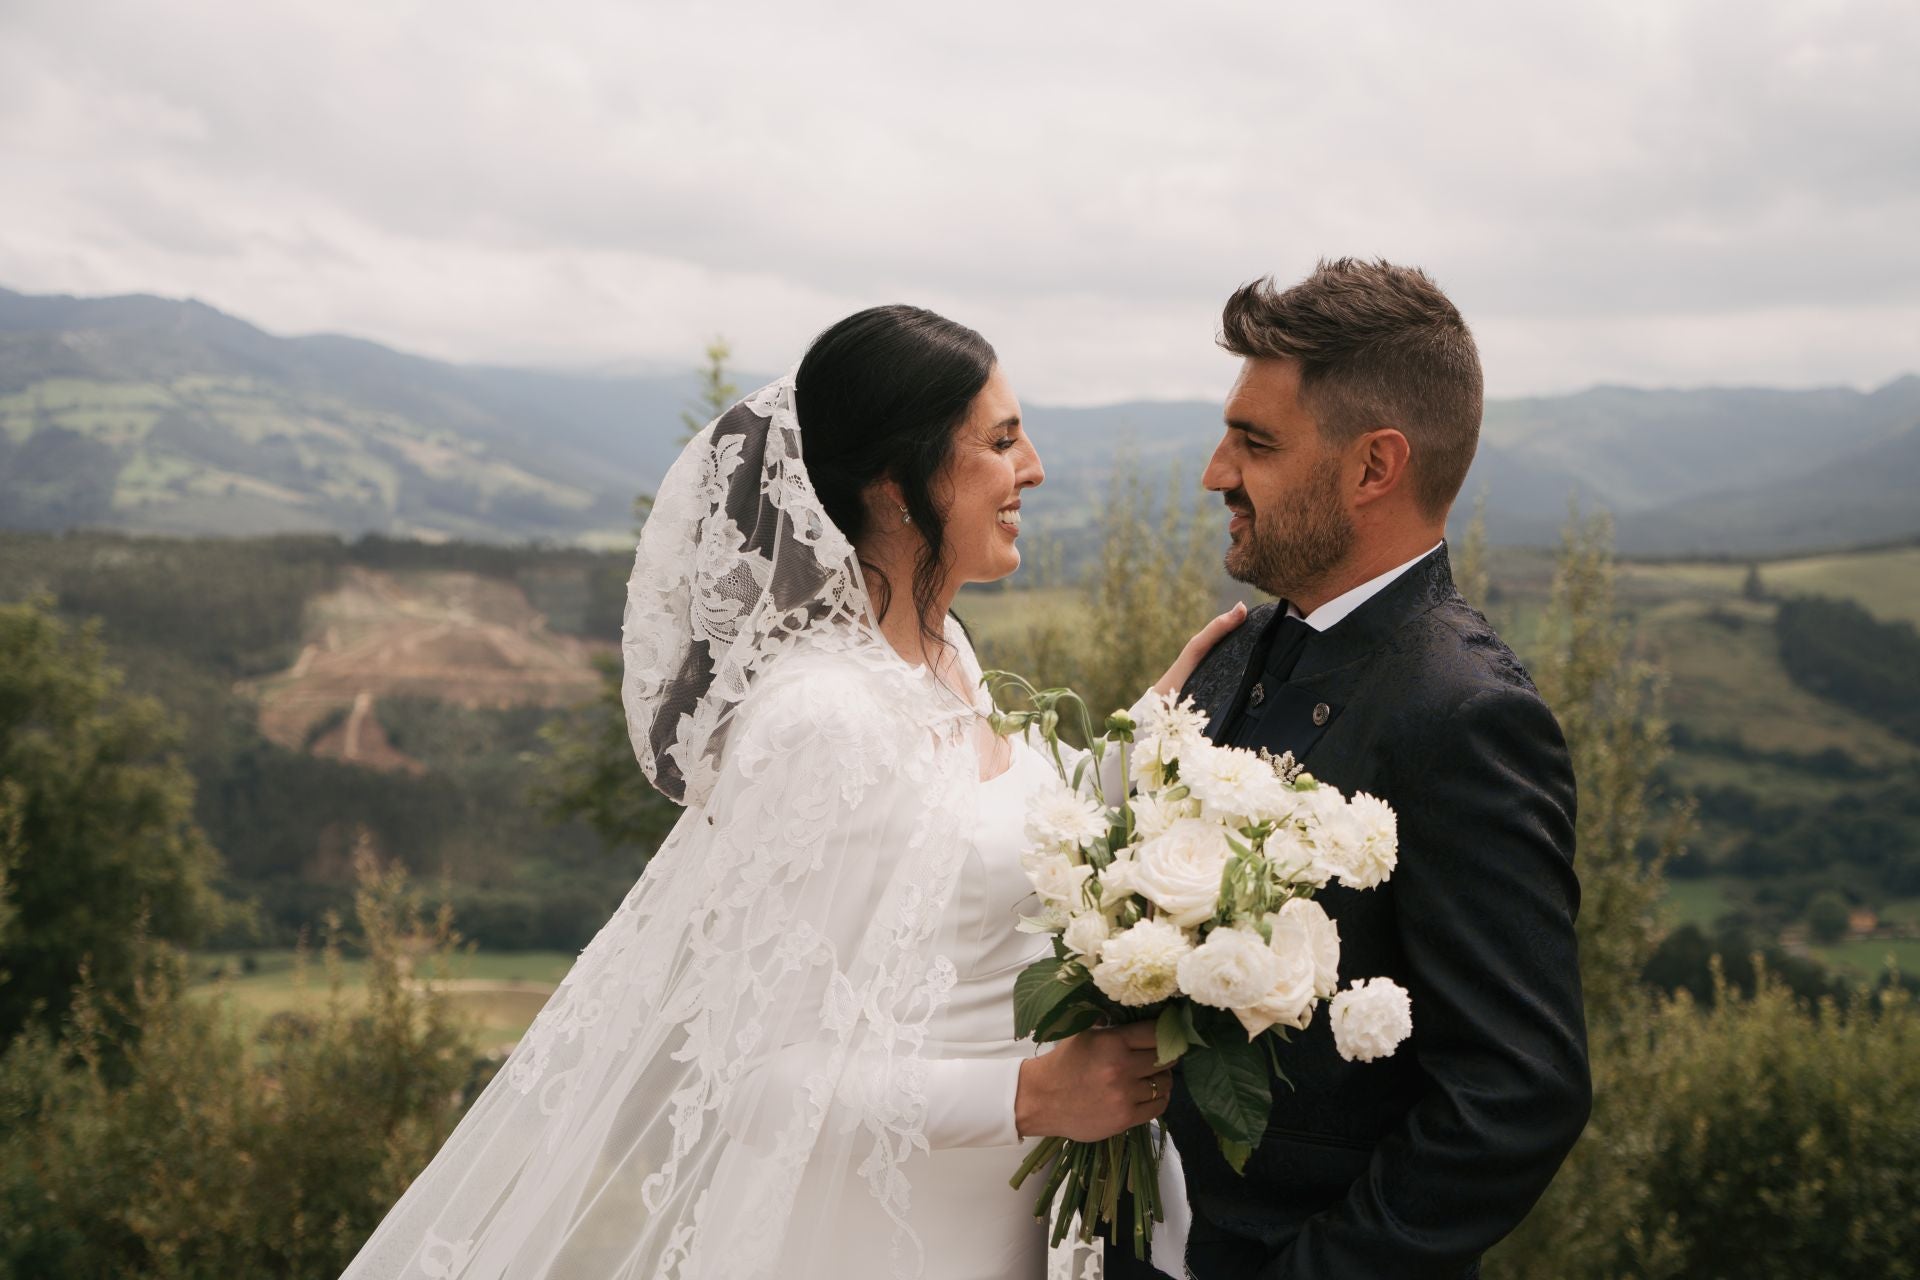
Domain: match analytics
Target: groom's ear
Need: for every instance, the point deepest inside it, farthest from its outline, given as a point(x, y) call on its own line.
point(1385, 459)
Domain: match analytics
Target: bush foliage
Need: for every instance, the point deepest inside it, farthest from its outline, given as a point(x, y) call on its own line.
point(204, 1155)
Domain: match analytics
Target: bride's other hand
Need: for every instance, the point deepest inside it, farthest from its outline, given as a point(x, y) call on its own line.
point(1093, 1085)
point(1199, 647)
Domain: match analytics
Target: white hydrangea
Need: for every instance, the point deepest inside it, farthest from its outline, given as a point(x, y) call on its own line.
point(1064, 819)
point(1370, 1019)
point(1056, 877)
point(1232, 968)
point(1087, 932)
point(1305, 924)
point(1141, 965)
point(1179, 871)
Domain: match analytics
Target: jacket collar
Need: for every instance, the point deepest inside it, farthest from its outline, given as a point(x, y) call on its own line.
point(1417, 591)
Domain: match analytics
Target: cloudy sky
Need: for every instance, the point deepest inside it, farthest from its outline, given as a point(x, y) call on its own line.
point(1645, 191)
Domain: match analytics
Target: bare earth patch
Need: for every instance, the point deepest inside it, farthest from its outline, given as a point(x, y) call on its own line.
point(456, 637)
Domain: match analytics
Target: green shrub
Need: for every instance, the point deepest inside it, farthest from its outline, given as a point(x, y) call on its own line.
point(1756, 1139)
point(206, 1157)
point(1827, 916)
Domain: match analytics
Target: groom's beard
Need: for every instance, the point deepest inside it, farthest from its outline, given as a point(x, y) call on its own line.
point(1287, 553)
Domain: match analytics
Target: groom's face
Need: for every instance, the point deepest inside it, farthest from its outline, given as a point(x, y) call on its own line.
point(1290, 527)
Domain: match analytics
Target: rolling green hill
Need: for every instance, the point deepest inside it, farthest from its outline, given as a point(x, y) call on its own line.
point(157, 416)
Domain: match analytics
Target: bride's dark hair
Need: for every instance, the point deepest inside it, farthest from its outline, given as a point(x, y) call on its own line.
point(881, 394)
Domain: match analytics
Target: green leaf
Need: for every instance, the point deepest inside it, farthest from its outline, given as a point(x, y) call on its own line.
point(1070, 1019)
point(1236, 1153)
point(1227, 1081)
point(1169, 1035)
point(1037, 992)
point(1187, 1024)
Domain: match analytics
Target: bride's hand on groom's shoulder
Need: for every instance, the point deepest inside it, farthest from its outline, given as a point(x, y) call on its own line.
point(1199, 647)
point(1092, 1085)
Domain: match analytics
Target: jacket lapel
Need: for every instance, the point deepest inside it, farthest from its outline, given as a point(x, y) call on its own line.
point(1300, 711)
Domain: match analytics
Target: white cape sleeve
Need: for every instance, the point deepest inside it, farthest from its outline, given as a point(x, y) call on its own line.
point(742, 1049)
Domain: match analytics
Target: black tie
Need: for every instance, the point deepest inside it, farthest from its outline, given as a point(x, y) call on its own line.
point(1289, 640)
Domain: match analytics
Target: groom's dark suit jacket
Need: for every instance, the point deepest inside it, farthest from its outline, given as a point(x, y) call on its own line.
point(1410, 1166)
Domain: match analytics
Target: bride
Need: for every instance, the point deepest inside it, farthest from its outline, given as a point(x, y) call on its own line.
point(789, 1052)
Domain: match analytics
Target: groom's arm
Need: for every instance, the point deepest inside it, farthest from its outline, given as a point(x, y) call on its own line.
point(1485, 898)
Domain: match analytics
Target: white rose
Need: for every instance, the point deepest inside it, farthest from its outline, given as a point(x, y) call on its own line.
point(1065, 819)
point(1370, 1019)
point(1233, 967)
point(1087, 932)
point(1305, 924)
point(1296, 861)
point(1373, 837)
point(1142, 965)
point(1117, 881)
point(1289, 1001)
point(1179, 871)
point(1057, 878)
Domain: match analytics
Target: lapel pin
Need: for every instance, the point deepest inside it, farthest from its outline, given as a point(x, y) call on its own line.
point(1258, 696)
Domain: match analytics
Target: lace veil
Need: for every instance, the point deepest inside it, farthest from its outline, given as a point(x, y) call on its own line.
point(732, 1080)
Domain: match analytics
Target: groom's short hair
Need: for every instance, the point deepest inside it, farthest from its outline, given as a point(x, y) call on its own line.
point(1379, 346)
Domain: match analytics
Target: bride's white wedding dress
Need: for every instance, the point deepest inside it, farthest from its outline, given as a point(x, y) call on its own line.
point(970, 1223)
point(789, 1052)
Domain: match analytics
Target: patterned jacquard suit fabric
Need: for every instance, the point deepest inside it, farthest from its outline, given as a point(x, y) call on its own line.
point(1414, 1165)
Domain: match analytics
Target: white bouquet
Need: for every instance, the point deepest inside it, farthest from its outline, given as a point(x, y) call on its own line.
point(1187, 899)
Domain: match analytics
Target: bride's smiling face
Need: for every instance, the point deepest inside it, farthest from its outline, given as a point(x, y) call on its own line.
point(992, 463)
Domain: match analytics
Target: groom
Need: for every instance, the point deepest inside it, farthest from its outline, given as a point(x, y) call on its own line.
point(1349, 432)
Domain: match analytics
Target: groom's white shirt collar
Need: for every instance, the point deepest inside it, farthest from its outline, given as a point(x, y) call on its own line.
point(1330, 613)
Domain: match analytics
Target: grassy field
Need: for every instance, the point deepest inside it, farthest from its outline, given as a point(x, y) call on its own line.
point(1869, 958)
point(1886, 582)
point(996, 614)
point(500, 991)
point(1726, 681)
point(1698, 902)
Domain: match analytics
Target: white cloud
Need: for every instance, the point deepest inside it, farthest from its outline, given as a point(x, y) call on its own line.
point(1640, 191)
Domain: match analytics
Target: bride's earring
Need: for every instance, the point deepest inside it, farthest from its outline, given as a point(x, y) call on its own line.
point(906, 516)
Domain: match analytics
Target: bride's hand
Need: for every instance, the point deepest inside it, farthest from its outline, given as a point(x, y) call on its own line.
point(1199, 647)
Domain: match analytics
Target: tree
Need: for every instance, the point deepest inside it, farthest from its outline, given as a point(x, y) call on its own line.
point(101, 855)
point(717, 394)
point(208, 1147)
point(1608, 702)
point(717, 391)
point(1828, 916)
point(1470, 556)
point(590, 771)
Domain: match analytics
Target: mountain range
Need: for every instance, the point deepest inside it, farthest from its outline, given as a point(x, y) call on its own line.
point(162, 416)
